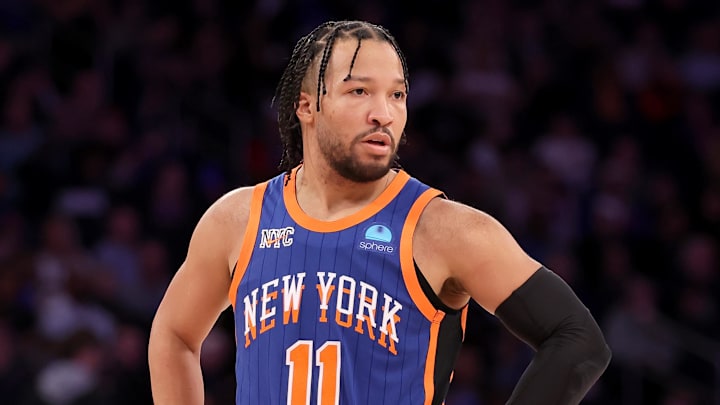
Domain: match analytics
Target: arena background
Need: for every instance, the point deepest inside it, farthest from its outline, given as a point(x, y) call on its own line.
point(590, 128)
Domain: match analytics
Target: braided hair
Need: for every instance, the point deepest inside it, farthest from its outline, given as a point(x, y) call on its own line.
point(306, 51)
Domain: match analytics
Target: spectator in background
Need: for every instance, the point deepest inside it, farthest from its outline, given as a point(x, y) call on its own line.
point(70, 285)
point(118, 247)
point(74, 377)
point(640, 338)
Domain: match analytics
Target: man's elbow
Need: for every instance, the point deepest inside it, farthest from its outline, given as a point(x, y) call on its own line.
point(600, 356)
point(593, 354)
point(594, 363)
point(605, 357)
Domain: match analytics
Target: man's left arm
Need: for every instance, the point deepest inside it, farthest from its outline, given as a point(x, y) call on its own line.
point(481, 256)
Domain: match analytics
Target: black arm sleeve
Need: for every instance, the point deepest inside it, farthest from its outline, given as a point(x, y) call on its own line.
point(571, 352)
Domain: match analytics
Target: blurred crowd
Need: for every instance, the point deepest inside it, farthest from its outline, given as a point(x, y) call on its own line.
point(591, 129)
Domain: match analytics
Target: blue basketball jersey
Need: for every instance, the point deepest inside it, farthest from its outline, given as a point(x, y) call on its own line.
point(336, 312)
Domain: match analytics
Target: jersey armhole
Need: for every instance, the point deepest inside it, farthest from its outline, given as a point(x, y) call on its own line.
point(248, 243)
point(430, 294)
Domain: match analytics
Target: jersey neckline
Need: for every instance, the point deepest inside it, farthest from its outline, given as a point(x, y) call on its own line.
point(317, 225)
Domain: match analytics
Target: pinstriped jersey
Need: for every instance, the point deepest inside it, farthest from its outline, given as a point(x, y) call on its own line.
point(335, 312)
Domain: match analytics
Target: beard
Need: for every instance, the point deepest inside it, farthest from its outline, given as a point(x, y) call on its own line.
point(347, 163)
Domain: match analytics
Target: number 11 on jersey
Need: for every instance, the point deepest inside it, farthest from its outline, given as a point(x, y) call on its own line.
point(299, 357)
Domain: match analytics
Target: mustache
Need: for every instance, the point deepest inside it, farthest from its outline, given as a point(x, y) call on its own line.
point(384, 130)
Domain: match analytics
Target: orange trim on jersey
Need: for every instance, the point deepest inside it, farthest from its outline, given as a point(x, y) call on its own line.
point(429, 379)
point(366, 212)
point(406, 254)
point(248, 240)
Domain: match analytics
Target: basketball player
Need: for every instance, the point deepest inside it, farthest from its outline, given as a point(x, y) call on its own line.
point(349, 279)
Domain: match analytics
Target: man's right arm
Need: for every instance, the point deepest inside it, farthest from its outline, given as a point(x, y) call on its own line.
point(193, 301)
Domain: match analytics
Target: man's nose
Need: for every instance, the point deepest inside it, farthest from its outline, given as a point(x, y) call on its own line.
point(380, 114)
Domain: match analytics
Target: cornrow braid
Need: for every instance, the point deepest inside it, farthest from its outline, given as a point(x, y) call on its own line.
point(352, 62)
point(305, 52)
point(329, 42)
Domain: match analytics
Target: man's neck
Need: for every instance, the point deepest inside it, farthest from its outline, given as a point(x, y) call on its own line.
point(324, 194)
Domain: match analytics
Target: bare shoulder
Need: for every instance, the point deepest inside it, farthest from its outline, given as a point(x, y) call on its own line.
point(232, 208)
point(447, 222)
point(222, 226)
point(450, 215)
point(472, 249)
point(452, 229)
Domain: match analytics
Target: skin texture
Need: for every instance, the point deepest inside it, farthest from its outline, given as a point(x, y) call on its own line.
point(463, 253)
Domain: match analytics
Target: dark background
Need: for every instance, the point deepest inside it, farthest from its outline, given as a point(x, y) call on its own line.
point(590, 129)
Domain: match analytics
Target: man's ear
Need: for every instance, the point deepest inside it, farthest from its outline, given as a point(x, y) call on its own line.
point(305, 111)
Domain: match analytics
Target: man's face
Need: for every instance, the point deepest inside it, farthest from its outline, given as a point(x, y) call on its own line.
point(362, 117)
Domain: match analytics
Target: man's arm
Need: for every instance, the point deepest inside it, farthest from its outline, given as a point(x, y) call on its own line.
point(475, 254)
point(571, 352)
point(193, 301)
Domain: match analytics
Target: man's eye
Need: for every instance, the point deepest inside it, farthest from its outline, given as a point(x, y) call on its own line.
point(399, 95)
point(359, 92)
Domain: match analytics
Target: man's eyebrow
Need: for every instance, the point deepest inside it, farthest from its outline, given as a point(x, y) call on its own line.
point(366, 79)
